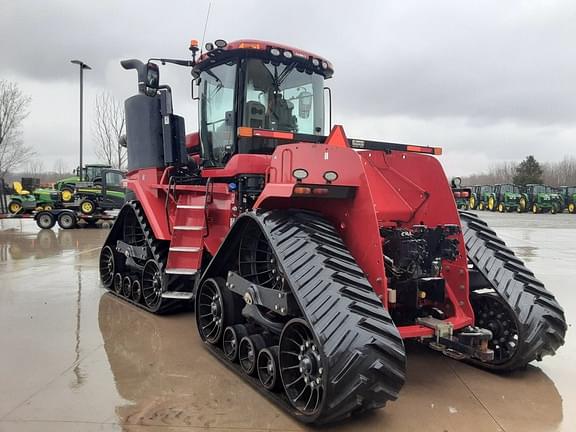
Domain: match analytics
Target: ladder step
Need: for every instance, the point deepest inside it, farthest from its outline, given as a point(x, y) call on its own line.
point(181, 271)
point(188, 228)
point(188, 206)
point(184, 249)
point(178, 295)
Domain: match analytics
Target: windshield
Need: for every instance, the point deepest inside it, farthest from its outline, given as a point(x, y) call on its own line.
point(91, 173)
point(280, 97)
point(508, 188)
point(539, 189)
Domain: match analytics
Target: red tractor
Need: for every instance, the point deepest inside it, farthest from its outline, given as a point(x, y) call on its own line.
point(309, 258)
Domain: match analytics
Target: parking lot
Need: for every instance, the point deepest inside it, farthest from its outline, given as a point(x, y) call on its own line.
point(73, 358)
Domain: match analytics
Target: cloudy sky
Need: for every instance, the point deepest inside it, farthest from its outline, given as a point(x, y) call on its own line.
point(486, 80)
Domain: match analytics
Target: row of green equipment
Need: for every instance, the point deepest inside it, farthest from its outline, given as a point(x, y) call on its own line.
point(536, 198)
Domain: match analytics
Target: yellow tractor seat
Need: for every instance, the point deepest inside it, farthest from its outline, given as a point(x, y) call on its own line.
point(19, 189)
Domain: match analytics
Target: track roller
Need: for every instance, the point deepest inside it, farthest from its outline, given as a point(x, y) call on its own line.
point(248, 351)
point(231, 340)
point(267, 366)
point(136, 291)
point(118, 282)
point(127, 287)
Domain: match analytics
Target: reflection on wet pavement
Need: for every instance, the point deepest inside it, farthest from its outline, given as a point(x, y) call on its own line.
point(76, 358)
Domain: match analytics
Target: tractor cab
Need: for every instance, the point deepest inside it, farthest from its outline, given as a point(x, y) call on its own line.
point(247, 85)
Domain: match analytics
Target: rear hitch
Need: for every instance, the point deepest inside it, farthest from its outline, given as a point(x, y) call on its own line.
point(469, 342)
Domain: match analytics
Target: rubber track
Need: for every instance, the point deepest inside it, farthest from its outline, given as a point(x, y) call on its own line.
point(362, 346)
point(157, 248)
point(542, 321)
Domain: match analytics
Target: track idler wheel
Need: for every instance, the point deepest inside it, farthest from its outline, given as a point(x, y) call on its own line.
point(248, 351)
point(107, 266)
point(152, 285)
point(302, 368)
point(231, 340)
point(211, 310)
point(267, 366)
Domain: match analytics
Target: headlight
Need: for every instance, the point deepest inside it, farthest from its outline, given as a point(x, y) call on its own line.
point(330, 176)
point(300, 174)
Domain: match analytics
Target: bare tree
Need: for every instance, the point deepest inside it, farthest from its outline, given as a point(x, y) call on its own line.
point(34, 168)
point(109, 125)
point(13, 110)
point(502, 172)
point(60, 167)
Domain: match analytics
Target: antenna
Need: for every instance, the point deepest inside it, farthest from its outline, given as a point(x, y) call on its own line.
point(205, 27)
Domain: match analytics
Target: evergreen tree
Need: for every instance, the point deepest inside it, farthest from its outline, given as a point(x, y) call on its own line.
point(528, 171)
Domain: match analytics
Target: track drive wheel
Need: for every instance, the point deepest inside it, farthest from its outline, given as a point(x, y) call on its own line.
point(302, 368)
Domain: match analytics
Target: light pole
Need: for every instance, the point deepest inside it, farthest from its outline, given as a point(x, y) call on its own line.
point(82, 67)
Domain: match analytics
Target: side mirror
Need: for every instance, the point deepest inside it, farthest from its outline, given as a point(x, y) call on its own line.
point(304, 104)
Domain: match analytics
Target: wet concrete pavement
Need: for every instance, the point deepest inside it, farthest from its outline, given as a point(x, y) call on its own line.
point(73, 358)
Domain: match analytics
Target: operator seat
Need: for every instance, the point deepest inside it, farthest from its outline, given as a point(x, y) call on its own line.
point(19, 189)
point(255, 115)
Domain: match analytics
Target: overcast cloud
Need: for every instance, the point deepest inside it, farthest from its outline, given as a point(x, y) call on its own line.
point(486, 80)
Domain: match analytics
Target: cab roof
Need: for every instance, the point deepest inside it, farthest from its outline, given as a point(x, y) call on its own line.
point(267, 49)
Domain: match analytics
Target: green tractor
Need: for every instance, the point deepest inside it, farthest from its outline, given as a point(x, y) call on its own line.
point(479, 196)
point(540, 199)
point(107, 194)
point(569, 195)
point(24, 201)
point(91, 174)
point(504, 198)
